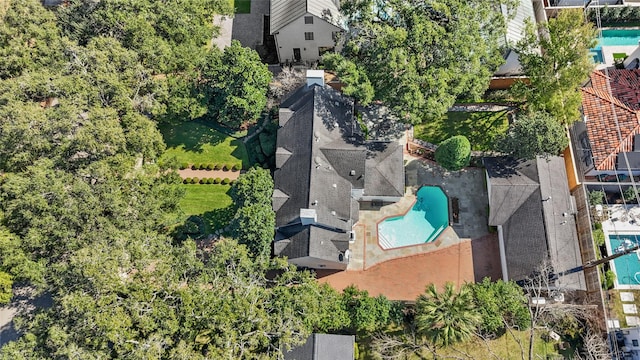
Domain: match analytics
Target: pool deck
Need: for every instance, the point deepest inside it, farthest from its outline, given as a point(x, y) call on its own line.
point(622, 220)
point(464, 252)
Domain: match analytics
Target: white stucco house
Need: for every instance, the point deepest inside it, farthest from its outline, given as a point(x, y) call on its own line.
point(305, 29)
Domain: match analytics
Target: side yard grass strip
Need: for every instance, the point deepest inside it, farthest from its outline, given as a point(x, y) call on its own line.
point(194, 143)
point(481, 128)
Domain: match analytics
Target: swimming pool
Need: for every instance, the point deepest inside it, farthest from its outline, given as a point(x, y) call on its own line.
point(626, 267)
point(426, 219)
point(618, 37)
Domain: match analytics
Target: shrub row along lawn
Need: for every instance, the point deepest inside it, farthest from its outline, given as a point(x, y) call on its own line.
point(481, 128)
point(194, 143)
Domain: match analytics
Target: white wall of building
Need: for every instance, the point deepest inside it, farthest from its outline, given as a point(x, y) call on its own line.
point(293, 36)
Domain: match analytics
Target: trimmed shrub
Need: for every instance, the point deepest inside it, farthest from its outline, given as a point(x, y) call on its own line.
point(217, 180)
point(598, 237)
point(195, 180)
point(596, 197)
point(203, 181)
point(194, 167)
point(454, 153)
point(184, 166)
point(226, 167)
point(225, 181)
point(209, 166)
point(186, 181)
point(217, 167)
point(202, 167)
point(236, 167)
point(209, 180)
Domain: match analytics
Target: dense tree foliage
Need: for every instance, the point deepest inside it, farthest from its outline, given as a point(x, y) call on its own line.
point(454, 153)
point(6, 283)
point(556, 73)
point(366, 313)
point(254, 221)
point(420, 56)
point(534, 134)
point(167, 35)
point(253, 187)
point(501, 305)
point(235, 94)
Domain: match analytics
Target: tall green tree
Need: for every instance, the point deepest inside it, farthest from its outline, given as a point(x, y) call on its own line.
point(367, 313)
point(420, 56)
point(502, 305)
point(235, 85)
point(555, 57)
point(253, 187)
point(254, 225)
point(534, 134)
point(447, 317)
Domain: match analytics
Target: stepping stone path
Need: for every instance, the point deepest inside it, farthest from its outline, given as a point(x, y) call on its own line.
point(626, 297)
point(629, 308)
point(632, 321)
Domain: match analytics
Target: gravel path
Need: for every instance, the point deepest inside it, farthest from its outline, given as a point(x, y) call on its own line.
point(188, 173)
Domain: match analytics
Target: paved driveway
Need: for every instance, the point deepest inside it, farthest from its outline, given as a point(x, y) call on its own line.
point(248, 28)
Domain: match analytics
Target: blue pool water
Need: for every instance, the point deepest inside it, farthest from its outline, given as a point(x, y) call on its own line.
point(423, 223)
point(627, 266)
point(618, 37)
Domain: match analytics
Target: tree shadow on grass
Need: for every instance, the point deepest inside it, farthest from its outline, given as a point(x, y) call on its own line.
point(192, 135)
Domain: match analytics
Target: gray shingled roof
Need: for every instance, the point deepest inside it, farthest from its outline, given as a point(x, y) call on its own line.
point(284, 12)
point(326, 158)
point(530, 199)
point(324, 347)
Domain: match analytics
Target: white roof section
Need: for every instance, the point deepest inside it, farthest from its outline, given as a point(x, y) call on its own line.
point(284, 12)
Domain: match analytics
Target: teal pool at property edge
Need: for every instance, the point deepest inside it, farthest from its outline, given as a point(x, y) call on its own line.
point(614, 37)
point(618, 37)
point(426, 219)
point(627, 267)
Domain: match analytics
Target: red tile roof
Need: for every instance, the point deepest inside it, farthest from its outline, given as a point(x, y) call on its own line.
point(605, 102)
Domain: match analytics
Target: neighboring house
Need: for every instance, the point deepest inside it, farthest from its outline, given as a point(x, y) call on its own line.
point(530, 204)
point(324, 347)
point(324, 167)
point(606, 141)
point(305, 29)
point(511, 70)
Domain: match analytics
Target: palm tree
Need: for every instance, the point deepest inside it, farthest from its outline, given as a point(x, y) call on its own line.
point(447, 317)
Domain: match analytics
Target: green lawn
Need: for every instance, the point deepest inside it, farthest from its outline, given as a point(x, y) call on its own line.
point(211, 202)
point(191, 142)
point(481, 128)
point(504, 347)
point(242, 6)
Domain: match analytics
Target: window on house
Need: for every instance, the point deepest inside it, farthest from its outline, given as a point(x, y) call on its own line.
point(308, 36)
point(634, 342)
point(308, 19)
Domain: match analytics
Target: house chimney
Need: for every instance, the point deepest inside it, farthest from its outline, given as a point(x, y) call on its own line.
point(308, 216)
point(315, 77)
